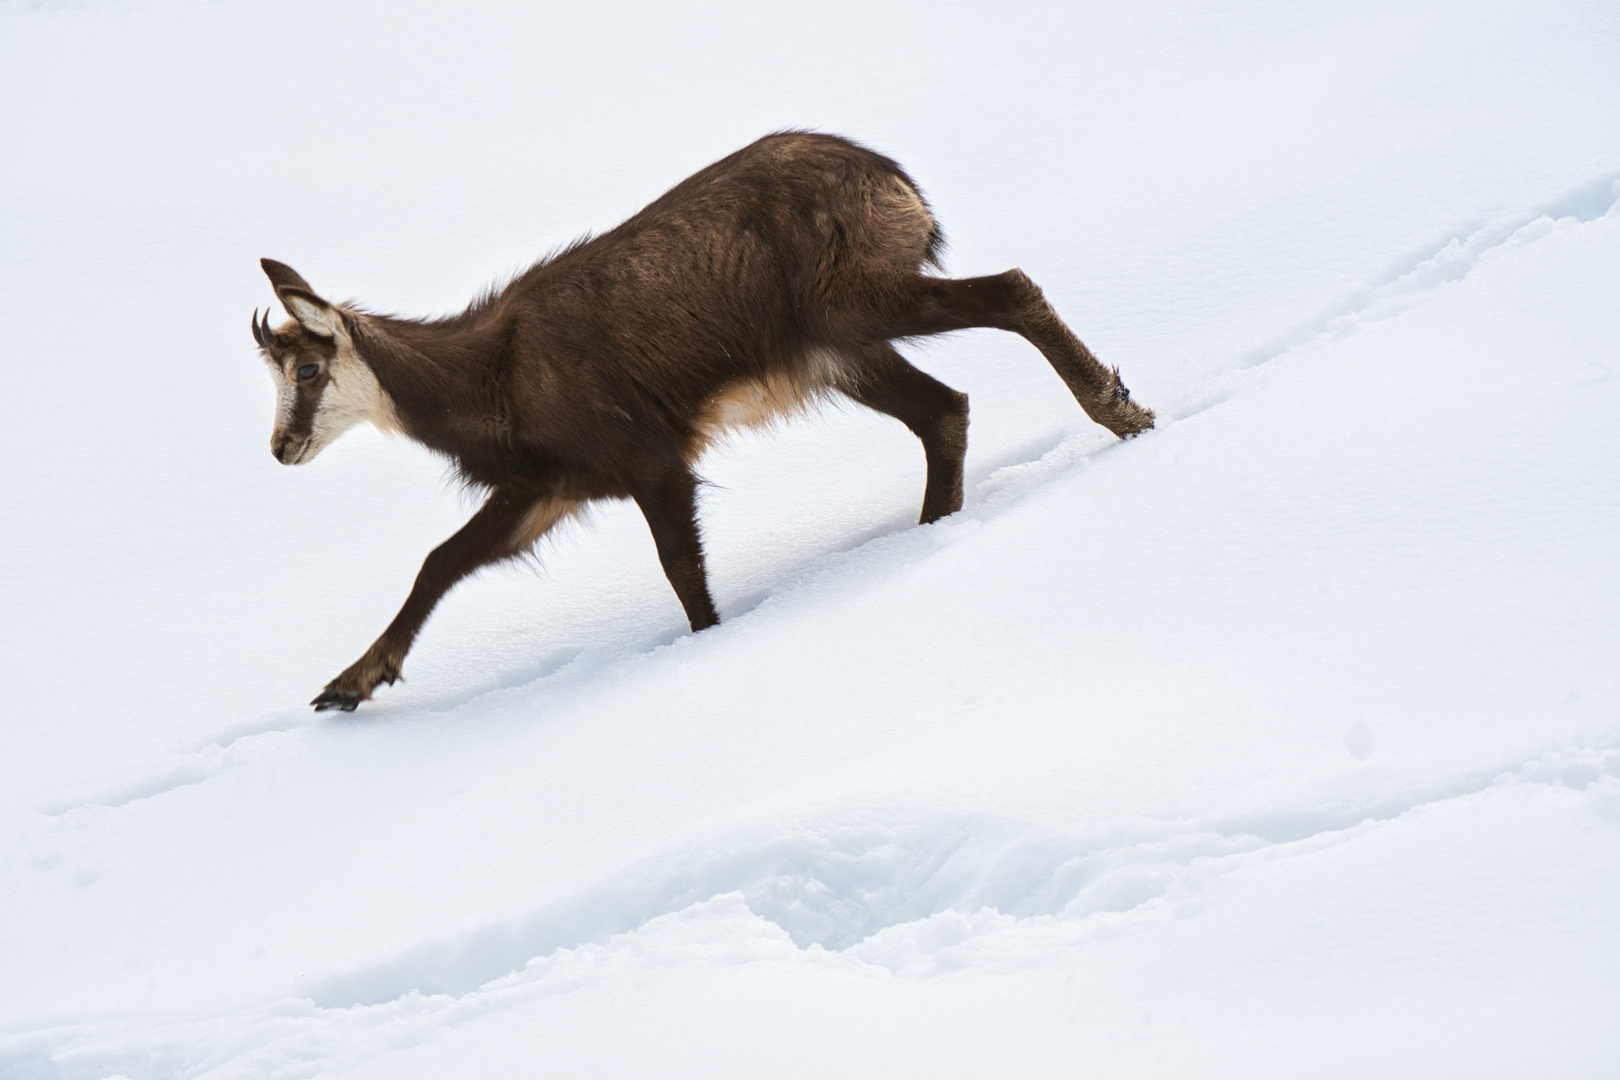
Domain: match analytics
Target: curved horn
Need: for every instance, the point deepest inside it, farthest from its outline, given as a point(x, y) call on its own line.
point(262, 334)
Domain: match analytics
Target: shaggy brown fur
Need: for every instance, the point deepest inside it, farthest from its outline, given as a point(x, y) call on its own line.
point(768, 280)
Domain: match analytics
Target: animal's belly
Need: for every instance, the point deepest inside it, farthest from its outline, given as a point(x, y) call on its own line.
point(761, 402)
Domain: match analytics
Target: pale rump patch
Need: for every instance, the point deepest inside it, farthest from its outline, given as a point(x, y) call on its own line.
point(757, 403)
point(544, 516)
point(901, 219)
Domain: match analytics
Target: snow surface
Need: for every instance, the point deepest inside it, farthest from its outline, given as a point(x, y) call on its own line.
point(1282, 741)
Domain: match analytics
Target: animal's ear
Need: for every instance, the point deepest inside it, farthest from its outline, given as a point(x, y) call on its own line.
point(314, 314)
point(283, 276)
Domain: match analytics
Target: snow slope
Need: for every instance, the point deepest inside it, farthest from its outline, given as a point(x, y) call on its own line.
point(1282, 740)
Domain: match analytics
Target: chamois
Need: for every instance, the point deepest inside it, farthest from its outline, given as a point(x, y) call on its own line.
point(759, 286)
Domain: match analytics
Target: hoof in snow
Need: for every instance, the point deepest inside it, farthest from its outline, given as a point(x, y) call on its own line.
point(355, 685)
point(334, 698)
point(1116, 411)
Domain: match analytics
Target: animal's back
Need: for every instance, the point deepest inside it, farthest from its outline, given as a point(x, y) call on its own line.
point(731, 278)
point(789, 225)
point(817, 197)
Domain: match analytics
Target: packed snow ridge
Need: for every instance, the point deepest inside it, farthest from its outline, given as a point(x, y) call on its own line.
point(842, 887)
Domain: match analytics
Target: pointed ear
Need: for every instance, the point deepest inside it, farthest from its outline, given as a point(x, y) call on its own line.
point(283, 276)
point(314, 314)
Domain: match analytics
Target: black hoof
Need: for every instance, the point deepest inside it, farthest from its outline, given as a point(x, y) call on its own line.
point(333, 698)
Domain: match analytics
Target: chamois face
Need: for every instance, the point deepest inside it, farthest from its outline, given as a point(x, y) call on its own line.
point(323, 387)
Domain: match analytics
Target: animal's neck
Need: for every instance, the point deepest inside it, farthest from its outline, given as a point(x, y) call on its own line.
point(441, 376)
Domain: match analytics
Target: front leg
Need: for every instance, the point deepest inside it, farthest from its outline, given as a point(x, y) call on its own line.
point(506, 525)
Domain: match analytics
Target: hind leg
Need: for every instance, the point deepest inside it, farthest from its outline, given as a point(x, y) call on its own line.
point(1011, 301)
point(667, 497)
point(935, 413)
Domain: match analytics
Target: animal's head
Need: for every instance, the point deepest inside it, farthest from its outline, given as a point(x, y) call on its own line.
point(323, 386)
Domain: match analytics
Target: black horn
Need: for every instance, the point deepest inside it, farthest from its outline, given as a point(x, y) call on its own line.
point(262, 334)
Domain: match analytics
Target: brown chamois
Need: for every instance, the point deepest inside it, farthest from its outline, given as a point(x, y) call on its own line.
point(770, 280)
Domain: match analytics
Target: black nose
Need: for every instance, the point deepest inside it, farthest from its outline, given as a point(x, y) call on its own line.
point(279, 448)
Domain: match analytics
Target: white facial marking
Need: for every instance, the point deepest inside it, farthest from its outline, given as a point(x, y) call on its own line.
point(286, 394)
point(351, 396)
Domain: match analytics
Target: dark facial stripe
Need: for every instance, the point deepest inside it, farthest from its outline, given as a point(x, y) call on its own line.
point(306, 400)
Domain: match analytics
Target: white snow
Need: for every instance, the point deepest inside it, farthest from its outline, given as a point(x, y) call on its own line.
point(1281, 741)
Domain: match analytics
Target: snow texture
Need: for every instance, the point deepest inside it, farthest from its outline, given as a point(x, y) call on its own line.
point(1281, 741)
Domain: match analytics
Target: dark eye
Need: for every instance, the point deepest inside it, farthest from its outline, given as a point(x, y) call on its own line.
point(308, 372)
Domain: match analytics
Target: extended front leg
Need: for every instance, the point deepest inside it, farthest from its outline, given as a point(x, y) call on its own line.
point(668, 501)
point(506, 525)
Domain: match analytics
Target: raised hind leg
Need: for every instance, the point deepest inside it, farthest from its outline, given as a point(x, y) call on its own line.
point(935, 413)
point(1011, 301)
